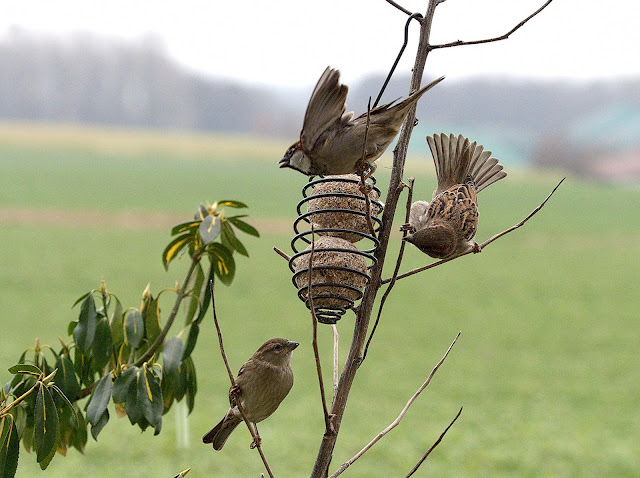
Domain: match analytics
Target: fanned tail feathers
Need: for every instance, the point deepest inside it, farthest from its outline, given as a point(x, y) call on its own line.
point(456, 160)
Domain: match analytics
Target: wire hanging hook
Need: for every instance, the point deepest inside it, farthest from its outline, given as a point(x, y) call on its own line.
point(413, 16)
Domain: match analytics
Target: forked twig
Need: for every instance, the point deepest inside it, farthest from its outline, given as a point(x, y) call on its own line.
point(234, 385)
point(437, 442)
point(490, 40)
point(395, 423)
point(314, 318)
point(395, 271)
point(481, 246)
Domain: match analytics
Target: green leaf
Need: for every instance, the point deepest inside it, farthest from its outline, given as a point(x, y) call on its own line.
point(230, 203)
point(27, 368)
point(134, 410)
point(99, 400)
point(10, 447)
point(206, 300)
point(45, 425)
point(179, 388)
point(81, 298)
point(194, 300)
point(171, 358)
point(230, 238)
point(192, 338)
point(174, 247)
point(97, 428)
point(243, 226)
point(65, 400)
point(209, 229)
point(102, 348)
point(149, 397)
point(190, 226)
point(201, 213)
point(66, 378)
point(223, 262)
point(134, 328)
point(151, 314)
point(116, 324)
point(79, 434)
point(123, 383)
point(84, 332)
point(192, 383)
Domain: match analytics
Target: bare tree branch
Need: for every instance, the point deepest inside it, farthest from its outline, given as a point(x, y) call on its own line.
point(363, 314)
point(234, 386)
point(489, 40)
point(395, 423)
point(481, 246)
point(395, 271)
point(314, 319)
point(437, 442)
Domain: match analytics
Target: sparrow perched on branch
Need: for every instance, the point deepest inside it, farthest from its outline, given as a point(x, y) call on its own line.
point(262, 383)
point(446, 226)
point(331, 141)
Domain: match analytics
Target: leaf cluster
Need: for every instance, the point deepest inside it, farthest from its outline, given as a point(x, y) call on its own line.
point(117, 355)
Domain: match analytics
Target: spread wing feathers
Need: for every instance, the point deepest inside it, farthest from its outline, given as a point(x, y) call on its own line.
point(326, 106)
point(451, 157)
point(458, 207)
point(455, 158)
point(484, 169)
point(395, 112)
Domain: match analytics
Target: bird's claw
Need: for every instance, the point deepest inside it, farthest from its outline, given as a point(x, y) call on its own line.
point(257, 441)
point(234, 391)
point(407, 227)
point(476, 248)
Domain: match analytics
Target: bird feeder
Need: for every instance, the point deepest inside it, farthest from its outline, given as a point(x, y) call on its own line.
point(337, 211)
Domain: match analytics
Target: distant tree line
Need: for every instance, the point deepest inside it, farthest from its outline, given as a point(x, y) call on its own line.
point(84, 78)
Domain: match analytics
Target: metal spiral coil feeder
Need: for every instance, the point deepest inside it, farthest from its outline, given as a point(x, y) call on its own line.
point(337, 211)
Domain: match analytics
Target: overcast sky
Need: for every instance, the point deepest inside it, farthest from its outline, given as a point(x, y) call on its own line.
point(290, 42)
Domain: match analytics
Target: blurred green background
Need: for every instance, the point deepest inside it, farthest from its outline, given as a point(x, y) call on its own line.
point(546, 367)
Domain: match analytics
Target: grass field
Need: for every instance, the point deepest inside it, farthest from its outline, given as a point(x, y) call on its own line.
point(547, 366)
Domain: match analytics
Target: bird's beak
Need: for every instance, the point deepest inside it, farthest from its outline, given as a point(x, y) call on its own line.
point(284, 163)
point(292, 345)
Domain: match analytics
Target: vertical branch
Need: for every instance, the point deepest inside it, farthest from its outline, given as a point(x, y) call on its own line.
point(363, 314)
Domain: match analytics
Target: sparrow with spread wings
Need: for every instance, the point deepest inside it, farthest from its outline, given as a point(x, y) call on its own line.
point(446, 226)
point(331, 141)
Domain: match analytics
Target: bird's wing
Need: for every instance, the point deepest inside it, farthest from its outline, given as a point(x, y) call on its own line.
point(326, 106)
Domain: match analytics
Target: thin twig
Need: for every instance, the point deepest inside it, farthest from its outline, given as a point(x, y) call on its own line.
point(489, 40)
point(234, 385)
point(314, 318)
point(336, 343)
point(399, 7)
point(395, 271)
point(481, 246)
point(437, 442)
point(367, 201)
point(282, 253)
point(395, 423)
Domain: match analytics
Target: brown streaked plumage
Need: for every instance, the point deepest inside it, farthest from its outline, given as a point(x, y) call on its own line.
point(331, 141)
point(446, 227)
point(263, 382)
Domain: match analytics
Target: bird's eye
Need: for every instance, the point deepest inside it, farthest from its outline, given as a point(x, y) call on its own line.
point(277, 347)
